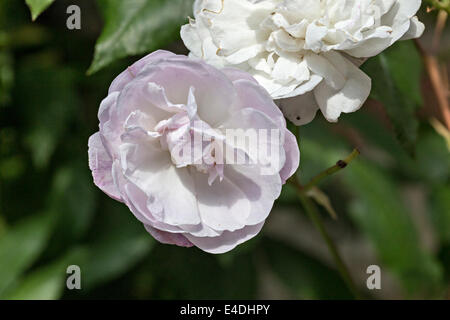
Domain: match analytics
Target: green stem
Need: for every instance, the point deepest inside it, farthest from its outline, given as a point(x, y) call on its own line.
point(314, 215)
point(341, 164)
point(440, 4)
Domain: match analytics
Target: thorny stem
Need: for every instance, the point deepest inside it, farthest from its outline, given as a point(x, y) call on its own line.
point(314, 215)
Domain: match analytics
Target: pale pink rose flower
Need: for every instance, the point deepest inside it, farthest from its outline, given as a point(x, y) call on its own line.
point(159, 106)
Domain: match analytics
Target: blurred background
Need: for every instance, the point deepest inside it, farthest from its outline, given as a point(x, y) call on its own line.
point(392, 203)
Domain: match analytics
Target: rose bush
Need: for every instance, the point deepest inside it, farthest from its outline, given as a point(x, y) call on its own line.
point(307, 49)
point(157, 108)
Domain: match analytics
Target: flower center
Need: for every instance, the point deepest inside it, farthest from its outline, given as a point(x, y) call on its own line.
point(192, 142)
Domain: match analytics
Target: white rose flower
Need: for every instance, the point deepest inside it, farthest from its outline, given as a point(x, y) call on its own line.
point(308, 49)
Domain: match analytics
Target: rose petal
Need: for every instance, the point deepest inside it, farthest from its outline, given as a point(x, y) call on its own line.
point(100, 164)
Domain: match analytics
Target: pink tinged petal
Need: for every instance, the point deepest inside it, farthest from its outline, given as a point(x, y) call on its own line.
point(214, 92)
point(215, 172)
point(132, 196)
point(159, 99)
point(222, 206)
point(106, 106)
point(128, 75)
point(265, 138)
point(292, 157)
point(139, 96)
point(110, 130)
point(235, 74)
point(350, 98)
point(260, 190)
point(147, 209)
point(100, 164)
point(252, 95)
point(151, 169)
point(138, 121)
point(227, 241)
point(168, 238)
point(191, 105)
point(200, 230)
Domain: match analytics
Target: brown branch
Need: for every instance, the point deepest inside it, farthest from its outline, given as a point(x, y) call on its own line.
point(437, 82)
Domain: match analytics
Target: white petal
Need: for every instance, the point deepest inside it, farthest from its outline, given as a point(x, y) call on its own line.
point(350, 98)
point(300, 110)
point(416, 30)
point(322, 66)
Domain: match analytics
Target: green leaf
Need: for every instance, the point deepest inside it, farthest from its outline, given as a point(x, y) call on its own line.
point(119, 244)
point(431, 163)
point(45, 283)
point(440, 213)
point(73, 217)
point(3, 227)
point(38, 6)
point(111, 257)
point(378, 211)
point(376, 208)
point(135, 27)
point(101, 261)
point(433, 158)
point(376, 135)
point(306, 277)
point(11, 168)
point(48, 106)
point(6, 76)
point(21, 246)
point(406, 68)
point(173, 272)
point(395, 82)
point(229, 258)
